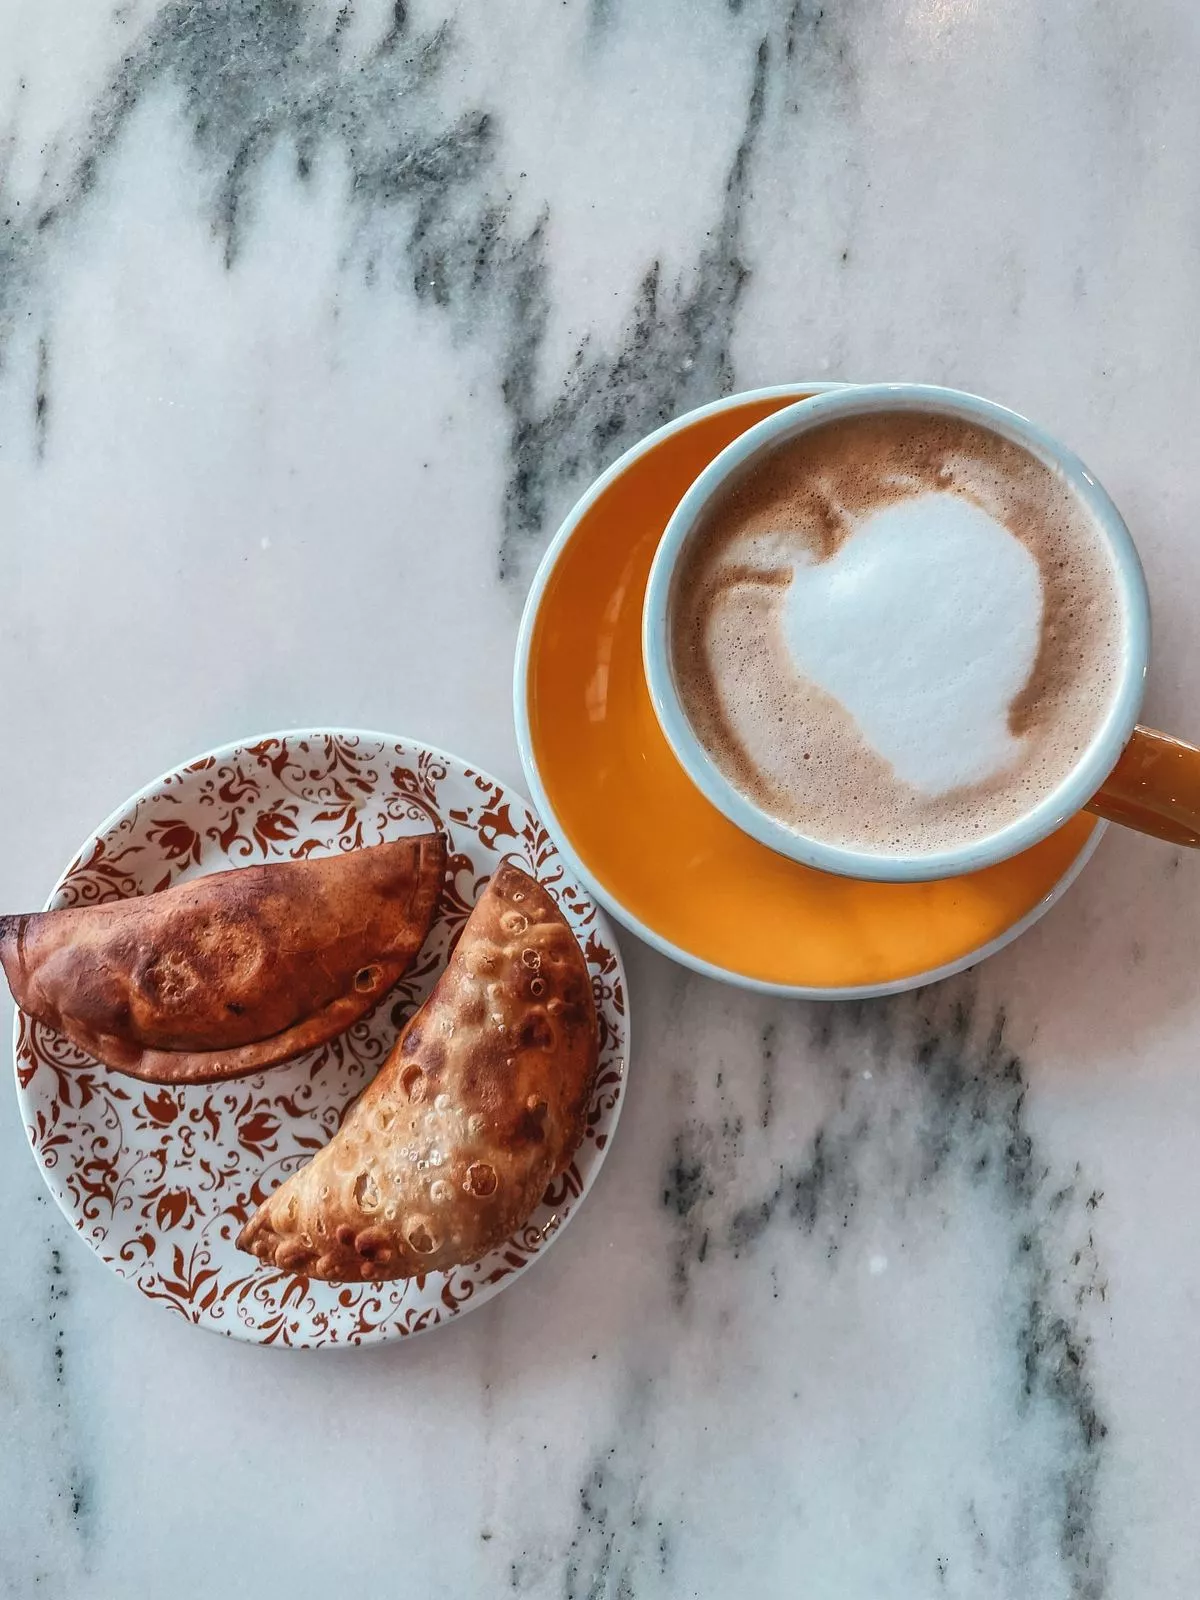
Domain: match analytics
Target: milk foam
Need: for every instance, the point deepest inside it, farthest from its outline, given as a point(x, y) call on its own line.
point(924, 625)
point(897, 632)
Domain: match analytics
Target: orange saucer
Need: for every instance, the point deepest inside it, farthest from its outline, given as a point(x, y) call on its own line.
point(642, 836)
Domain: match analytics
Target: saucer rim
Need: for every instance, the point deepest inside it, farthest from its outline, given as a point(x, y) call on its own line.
point(545, 809)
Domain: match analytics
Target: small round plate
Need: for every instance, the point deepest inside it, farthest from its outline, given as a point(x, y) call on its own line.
point(157, 1179)
point(640, 834)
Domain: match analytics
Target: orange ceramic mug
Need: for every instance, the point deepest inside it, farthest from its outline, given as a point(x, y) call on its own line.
point(1127, 773)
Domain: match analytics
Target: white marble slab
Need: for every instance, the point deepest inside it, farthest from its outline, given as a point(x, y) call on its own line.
point(300, 304)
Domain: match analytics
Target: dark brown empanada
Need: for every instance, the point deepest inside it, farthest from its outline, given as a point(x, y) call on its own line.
point(229, 973)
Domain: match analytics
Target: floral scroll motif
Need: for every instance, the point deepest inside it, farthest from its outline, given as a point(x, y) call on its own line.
point(159, 1180)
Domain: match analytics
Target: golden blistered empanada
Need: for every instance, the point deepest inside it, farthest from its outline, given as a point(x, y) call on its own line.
point(232, 972)
point(481, 1102)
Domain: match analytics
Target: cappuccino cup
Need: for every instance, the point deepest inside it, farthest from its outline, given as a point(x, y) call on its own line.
point(897, 632)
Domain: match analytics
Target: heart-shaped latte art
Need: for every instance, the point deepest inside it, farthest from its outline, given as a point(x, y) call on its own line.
point(924, 626)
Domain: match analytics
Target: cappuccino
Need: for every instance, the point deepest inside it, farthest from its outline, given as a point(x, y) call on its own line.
point(897, 632)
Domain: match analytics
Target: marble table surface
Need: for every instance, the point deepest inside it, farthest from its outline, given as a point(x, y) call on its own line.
point(314, 319)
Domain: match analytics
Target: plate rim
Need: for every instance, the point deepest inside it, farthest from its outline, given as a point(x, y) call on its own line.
point(541, 800)
point(381, 1333)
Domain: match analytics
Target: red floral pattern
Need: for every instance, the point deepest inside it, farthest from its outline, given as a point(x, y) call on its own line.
point(160, 1180)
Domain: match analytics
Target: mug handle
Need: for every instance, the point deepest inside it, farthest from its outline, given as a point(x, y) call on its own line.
point(1154, 787)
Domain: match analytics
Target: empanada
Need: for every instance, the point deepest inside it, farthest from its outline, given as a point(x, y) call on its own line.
point(482, 1101)
point(232, 972)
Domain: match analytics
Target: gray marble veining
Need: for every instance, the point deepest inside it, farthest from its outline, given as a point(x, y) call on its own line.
point(314, 320)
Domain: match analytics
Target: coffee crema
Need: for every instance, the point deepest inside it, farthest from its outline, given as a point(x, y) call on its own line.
point(896, 633)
